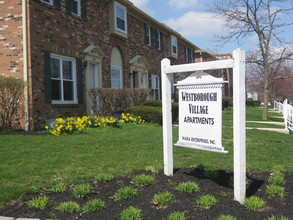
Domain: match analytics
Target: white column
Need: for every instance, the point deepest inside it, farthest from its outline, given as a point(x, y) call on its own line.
point(167, 119)
point(239, 133)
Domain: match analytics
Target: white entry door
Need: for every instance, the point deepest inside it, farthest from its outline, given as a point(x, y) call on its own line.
point(92, 83)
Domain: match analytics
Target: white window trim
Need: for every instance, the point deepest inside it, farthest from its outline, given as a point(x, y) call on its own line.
point(50, 2)
point(74, 101)
point(78, 8)
point(121, 73)
point(176, 45)
point(125, 15)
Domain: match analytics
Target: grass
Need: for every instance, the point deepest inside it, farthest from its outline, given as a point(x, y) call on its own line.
point(143, 180)
point(93, 205)
point(41, 202)
point(104, 177)
point(131, 213)
point(68, 207)
point(207, 201)
point(188, 187)
point(162, 199)
point(31, 163)
point(177, 216)
point(254, 203)
point(125, 193)
point(275, 191)
point(81, 191)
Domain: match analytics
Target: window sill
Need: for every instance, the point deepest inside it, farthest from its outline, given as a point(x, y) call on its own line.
point(64, 103)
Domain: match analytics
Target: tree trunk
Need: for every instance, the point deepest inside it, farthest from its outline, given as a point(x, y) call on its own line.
point(265, 98)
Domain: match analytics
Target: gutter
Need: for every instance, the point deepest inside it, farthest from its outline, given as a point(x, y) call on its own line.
point(25, 66)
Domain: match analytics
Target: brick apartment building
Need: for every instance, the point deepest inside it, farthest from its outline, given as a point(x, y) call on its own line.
point(62, 48)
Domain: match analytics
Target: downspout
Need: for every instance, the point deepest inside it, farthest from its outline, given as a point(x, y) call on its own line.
point(25, 65)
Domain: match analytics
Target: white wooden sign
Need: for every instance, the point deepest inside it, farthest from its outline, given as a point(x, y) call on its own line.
point(200, 112)
point(239, 132)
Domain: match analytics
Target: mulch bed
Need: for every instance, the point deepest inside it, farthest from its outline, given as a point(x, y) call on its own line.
point(185, 202)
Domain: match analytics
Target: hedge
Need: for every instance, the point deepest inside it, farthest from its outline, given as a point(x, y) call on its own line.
point(158, 103)
point(148, 113)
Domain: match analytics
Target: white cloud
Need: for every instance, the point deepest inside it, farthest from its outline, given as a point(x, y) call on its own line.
point(143, 5)
point(180, 4)
point(197, 24)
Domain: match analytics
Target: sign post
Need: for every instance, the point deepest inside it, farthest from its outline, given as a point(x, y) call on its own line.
point(198, 108)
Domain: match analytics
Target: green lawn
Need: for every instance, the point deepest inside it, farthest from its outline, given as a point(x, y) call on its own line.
point(30, 163)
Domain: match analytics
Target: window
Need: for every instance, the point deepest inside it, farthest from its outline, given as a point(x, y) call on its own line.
point(77, 7)
point(174, 45)
point(147, 33)
point(189, 55)
point(155, 87)
point(116, 77)
point(50, 2)
point(63, 79)
point(120, 18)
point(157, 40)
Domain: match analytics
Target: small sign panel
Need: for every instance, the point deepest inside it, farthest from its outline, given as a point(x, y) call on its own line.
point(200, 113)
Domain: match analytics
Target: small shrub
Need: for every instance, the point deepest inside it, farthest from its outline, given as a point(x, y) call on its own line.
point(274, 190)
point(250, 103)
point(131, 213)
point(104, 177)
point(93, 205)
point(163, 199)
point(211, 174)
point(254, 203)
point(143, 180)
point(226, 217)
point(188, 187)
point(207, 201)
point(68, 207)
point(227, 102)
point(125, 193)
point(11, 90)
point(58, 188)
point(158, 103)
point(177, 216)
point(147, 113)
point(278, 218)
point(81, 190)
point(41, 202)
point(277, 179)
point(152, 169)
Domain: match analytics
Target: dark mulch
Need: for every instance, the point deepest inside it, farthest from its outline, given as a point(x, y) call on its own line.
point(183, 201)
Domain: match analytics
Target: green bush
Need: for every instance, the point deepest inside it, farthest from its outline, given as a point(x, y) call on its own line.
point(154, 103)
point(11, 90)
point(250, 103)
point(131, 213)
point(158, 103)
point(227, 102)
point(41, 202)
point(147, 113)
point(254, 203)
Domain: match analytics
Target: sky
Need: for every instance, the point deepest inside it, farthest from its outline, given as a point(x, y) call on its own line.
point(192, 20)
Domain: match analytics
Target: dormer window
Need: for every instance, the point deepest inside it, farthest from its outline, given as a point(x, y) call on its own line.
point(120, 18)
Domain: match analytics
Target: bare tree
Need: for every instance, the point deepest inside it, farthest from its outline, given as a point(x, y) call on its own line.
point(261, 17)
point(281, 80)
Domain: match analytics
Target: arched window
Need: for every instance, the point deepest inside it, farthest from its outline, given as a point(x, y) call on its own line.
point(116, 69)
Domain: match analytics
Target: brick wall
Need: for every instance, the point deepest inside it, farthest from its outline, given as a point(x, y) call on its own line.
point(65, 34)
point(11, 47)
